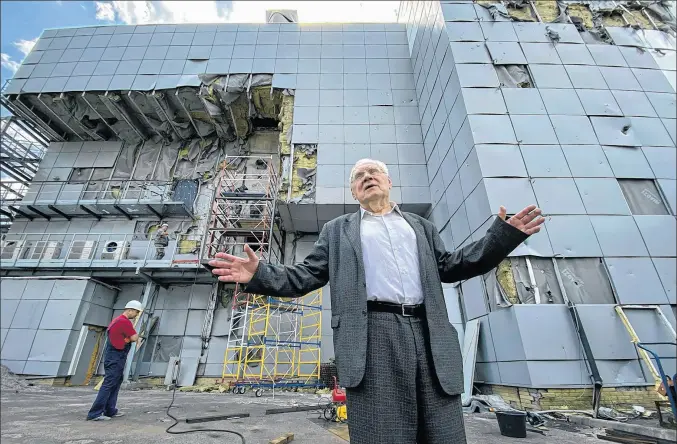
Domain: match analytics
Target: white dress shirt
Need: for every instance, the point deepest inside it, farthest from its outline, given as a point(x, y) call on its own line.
point(390, 258)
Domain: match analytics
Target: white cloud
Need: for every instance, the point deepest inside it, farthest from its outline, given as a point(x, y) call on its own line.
point(140, 12)
point(7, 62)
point(25, 46)
point(104, 11)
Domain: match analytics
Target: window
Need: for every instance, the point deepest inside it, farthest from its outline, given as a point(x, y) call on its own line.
point(643, 196)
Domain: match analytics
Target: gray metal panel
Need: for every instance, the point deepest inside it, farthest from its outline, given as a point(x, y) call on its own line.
point(621, 372)
point(662, 161)
point(653, 80)
point(667, 272)
point(501, 160)
point(507, 339)
point(550, 76)
point(540, 53)
point(547, 332)
point(628, 162)
point(573, 236)
point(664, 104)
point(9, 308)
point(635, 281)
point(17, 344)
point(557, 196)
point(651, 132)
point(651, 329)
point(477, 75)
point(474, 300)
point(514, 194)
point(562, 101)
point(532, 130)
point(50, 345)
point(615, 343)
point(611, 228)
point(68, 289)
point(658, 233)
point(523, 101)
point(477, 208)
point(558, 373)
point(491, 129)
point(38, 289)
point(59, 314)
point(602, 196)
point(607, 55)
point(194, 323)
point(28, 314)
point(545, 161)
point(487, 372)
point(574, 130)
point(498, 31)
point(620, 78)
point(585, 77)
point(514, 373)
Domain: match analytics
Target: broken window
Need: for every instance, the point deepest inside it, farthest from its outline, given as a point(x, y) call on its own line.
point(643, 196)
point(166, 347)
point(585, 281)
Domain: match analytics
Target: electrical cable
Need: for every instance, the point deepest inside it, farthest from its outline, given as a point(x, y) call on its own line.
point(181, 432)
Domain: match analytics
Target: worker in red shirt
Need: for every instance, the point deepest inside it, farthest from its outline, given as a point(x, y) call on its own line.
point(120, 335)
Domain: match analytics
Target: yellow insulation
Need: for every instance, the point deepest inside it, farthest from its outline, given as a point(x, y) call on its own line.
point(267, 104)
point(286, 117)
point(507, 281)
point(547, 9)
point(240, 115)
point(301, 161)
point(524, 14)
point(582, 12)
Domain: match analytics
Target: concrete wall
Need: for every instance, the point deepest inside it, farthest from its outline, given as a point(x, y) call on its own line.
point(558, 144)
point(42, 318)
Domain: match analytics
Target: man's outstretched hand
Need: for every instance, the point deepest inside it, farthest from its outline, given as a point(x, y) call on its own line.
point(235, 269)
point(528, 220)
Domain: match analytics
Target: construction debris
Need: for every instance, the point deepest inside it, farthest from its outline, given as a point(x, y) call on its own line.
point(289, 437)
point(9, 382)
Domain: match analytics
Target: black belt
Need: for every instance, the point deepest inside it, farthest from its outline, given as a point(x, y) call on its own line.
point(417, 311)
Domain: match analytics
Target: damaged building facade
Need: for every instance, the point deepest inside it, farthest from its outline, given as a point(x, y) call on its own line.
point(472, 105)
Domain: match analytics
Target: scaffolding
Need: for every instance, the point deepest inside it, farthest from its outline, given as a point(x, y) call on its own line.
point(272, 343)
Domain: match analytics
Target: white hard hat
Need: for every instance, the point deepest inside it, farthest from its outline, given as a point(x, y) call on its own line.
point(134, 305)
point(164, 225)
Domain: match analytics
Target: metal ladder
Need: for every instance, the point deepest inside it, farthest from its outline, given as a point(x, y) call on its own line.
point(635, 339)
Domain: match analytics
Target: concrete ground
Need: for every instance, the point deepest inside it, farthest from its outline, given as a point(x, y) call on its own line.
point(57, 416)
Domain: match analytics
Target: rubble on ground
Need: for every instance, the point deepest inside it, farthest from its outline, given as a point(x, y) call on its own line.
point(9, 382)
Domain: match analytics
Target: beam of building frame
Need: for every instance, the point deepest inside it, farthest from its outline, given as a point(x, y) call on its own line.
point(19, 108)
point(23, 213)
point(185, 110)
point(138, 109)
point(123, 212)
point(99, 115)
point(152, 210)
point(38, 212)
point(59, 212)
point(105, 99)
point(59, 118)
point(90, 212)
point(157, 103)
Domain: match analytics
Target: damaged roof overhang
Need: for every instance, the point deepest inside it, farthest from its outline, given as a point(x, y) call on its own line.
point(223, 105)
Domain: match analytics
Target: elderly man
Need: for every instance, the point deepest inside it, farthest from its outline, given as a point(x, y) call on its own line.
point(120, 335)
point(396, 352)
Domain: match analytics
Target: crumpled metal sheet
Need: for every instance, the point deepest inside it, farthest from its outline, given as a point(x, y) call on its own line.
point(198, 159)
point(605, 8)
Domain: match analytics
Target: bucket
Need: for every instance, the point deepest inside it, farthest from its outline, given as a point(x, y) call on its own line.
point(512, 424)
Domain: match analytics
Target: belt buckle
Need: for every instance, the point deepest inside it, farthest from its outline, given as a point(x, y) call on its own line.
point(404, 312)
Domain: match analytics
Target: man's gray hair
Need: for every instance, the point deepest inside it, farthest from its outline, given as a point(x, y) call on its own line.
point(381, 166)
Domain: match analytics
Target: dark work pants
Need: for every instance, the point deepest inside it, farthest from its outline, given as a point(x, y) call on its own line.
point(400, 399)
point(114, 367)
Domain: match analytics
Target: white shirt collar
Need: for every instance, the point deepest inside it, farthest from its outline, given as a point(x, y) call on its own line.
point(393, 205)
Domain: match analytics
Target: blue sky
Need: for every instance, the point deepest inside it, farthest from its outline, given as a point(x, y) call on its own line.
point(23, 21)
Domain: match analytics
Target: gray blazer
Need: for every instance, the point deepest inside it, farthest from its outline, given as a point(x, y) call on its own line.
point(337, 258)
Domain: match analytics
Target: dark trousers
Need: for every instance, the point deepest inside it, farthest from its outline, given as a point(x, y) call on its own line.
point(400, 399)
point(159, 252)
point(107, 398)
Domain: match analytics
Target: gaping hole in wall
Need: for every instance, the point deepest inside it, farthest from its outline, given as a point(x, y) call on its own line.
point(514, 76)
point(643, 196)
point(537, 280)
point(586, 281)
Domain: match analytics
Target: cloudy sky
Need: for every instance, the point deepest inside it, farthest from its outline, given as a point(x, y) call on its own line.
point(23, 21)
